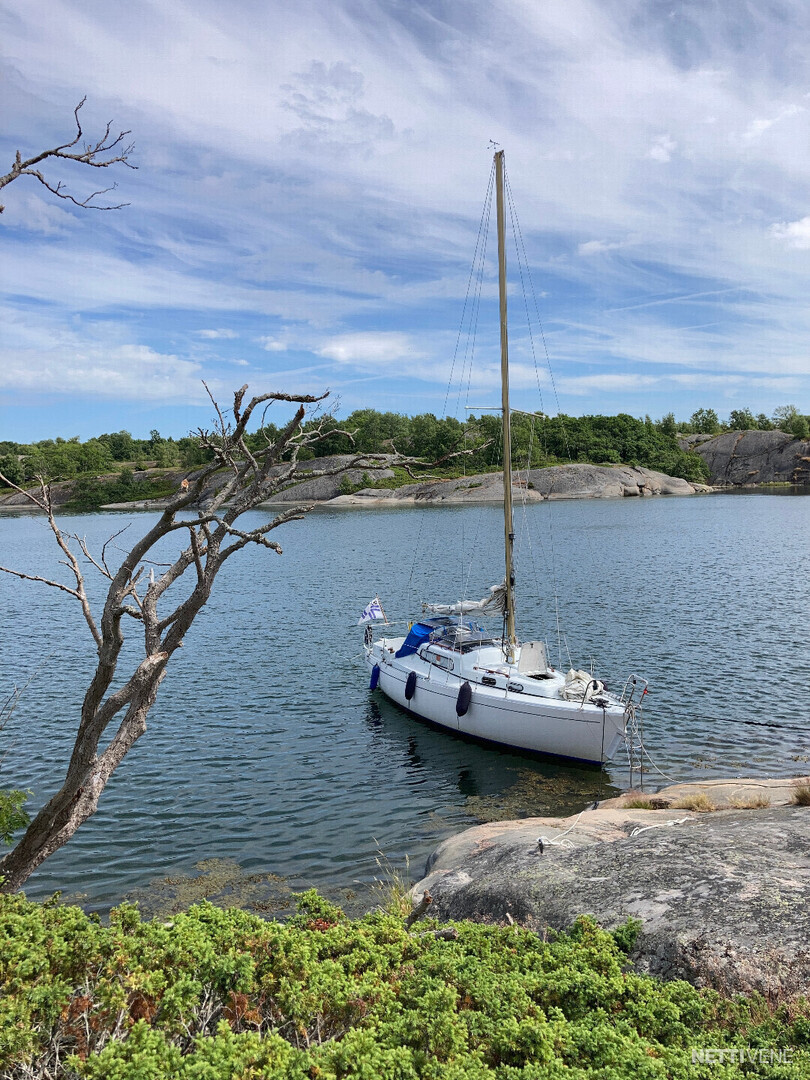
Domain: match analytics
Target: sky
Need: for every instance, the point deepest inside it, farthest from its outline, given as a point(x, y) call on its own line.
point(309, 187)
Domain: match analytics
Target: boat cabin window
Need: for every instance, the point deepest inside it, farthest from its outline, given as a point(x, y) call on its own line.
point(444, 662)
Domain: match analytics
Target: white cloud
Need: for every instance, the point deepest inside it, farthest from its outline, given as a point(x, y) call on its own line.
point(596, 247)
point(217, 335)
point(760, 126)
point(663, 148)
point(795, 234)
point(588, 384)
point(35, 214)
point(271, 344)
point(370, 347)
point(129, 372)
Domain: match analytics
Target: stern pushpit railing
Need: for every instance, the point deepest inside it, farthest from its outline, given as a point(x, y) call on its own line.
point(633, 694)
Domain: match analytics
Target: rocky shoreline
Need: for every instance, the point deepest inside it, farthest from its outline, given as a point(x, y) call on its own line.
point(576, 481)
point(722, 895)
point(736, 460)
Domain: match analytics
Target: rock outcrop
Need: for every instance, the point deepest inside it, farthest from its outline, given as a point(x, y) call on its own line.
point(745, 458)
point(723, 896)
point(326, 488)
point(578, 481)
point(61, 492)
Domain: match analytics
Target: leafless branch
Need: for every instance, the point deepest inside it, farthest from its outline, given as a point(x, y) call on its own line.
point(42, 580)
point(106, 151)
point(107, 543)
point(101, 566)
point(30, 496)
point(9, 704)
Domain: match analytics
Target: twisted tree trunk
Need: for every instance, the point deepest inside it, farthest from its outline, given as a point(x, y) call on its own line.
point(236, 481)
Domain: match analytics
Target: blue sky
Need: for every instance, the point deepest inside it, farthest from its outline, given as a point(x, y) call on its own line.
point(310, 182)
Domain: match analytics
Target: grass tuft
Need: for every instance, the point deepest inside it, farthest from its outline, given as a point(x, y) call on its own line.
point(801, 794)
point(392, 888)
point(749, 802)
point(701, 803)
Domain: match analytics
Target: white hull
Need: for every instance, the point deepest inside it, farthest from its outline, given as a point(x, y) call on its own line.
point(554, 726)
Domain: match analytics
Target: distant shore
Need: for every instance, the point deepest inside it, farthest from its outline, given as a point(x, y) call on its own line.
point(747, 460)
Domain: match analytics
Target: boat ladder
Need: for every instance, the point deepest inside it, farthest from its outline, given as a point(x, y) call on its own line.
point(632, 698)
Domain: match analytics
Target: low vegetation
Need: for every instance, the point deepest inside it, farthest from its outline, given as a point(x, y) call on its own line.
point(801, 795)
point(749, 802)
point(217, 994)
point(91, 492)
point(638, 802)
point(700, 803)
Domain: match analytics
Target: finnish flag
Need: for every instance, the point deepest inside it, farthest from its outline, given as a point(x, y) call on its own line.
point(373, 611)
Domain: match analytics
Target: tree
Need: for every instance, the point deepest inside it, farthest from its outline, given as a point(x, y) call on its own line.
point(783, 416)
point(167, 454)
point(11, 466)
point(121, 444)
point(106, 151)
point(705, 422)
point(667, 425)
point(742, 420)
point(787, 418)
point(235, 481)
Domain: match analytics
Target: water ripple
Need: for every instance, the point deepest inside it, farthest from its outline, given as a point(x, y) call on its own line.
point(265, 747)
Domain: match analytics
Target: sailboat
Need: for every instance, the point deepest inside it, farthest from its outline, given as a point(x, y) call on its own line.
point(449, 671)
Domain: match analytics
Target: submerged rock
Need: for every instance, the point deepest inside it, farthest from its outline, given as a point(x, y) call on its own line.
point(722, 896)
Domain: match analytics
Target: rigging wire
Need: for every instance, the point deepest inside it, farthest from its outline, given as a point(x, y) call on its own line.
point(525, 275)
point(472, 302)
point(467, 365)
point(483, 232)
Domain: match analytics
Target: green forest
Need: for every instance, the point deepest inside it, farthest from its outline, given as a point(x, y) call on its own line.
point(112, 460)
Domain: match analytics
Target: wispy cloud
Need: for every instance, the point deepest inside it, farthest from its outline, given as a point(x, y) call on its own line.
point(316, 212)
point(126, 372)
point(271, 344)
point(596, 247)
point(370, 347)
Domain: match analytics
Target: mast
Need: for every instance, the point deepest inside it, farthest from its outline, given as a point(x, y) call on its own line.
point(509, 535)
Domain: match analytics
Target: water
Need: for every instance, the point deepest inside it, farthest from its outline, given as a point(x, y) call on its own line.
point(266, 747)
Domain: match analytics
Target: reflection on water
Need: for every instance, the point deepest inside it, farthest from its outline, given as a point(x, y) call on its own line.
point(266, 748)
point(492, 785)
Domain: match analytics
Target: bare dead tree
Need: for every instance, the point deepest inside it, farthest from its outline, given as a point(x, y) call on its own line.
point(108, 150)
point(206, 511)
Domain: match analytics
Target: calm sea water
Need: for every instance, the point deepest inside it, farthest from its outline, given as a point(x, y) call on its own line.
point(266, 747)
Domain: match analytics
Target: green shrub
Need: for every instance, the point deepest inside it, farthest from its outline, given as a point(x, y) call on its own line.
point(222, 994)
point(13, 815)
point(90, 492)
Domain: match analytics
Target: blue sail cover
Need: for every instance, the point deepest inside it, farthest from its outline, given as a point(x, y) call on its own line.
point(418, 634)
